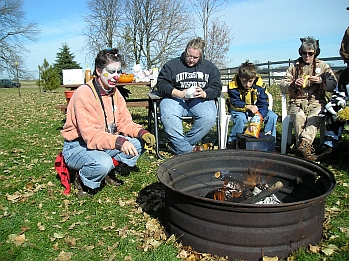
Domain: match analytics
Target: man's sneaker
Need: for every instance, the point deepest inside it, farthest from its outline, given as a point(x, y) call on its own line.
point(325, 152)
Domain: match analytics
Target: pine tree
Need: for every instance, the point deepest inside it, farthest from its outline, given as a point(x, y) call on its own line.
point(65, 60)
point(49, 77)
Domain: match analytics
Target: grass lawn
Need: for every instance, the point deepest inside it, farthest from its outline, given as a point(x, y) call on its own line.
point(39, 222)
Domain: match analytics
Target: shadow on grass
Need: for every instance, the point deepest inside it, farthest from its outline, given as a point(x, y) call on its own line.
point(152, 200)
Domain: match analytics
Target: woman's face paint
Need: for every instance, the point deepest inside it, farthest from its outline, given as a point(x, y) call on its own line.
point(110, 75)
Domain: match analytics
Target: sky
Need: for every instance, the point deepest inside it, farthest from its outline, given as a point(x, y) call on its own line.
point(262, 30)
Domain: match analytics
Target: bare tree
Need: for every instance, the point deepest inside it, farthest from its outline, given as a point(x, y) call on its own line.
point(218, 43)
point(205, 9)
point(15, 31)
point(102, 24)
point(157, 30)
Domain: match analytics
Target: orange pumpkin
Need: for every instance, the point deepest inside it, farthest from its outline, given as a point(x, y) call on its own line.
point(126, 78)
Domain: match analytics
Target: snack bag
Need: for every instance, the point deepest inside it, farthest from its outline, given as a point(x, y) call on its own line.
point(254, 126)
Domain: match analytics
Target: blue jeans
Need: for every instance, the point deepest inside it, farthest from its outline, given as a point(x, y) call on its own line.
point(240, 119)
point(94, 165)
point(172, 110)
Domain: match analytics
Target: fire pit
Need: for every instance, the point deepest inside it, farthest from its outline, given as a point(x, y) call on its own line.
point(242, 230)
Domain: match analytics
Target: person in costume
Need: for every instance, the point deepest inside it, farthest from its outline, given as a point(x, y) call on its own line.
point(99, 133)
point(306, 82)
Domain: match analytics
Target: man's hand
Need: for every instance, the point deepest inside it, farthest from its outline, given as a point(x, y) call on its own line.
point(149, 139)
point(343, 115)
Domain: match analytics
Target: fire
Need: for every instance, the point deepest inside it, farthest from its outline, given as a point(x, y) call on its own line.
point(246, 190)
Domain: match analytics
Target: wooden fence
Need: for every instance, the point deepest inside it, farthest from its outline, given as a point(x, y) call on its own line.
point(272, 72)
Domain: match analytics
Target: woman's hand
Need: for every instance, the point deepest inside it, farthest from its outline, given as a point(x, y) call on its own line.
point(199, 93)
point(129, 149)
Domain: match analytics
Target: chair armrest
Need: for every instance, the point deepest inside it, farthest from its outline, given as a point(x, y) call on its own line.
point(154, 95)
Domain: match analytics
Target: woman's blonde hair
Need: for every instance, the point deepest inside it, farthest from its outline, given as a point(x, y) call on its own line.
point(197, 44)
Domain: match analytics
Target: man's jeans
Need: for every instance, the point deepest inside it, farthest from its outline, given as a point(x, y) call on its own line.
point(94, 165)
point(173, 109)
point(240, 119)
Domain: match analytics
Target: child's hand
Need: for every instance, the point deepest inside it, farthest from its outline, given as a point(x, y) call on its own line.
point(252, 108)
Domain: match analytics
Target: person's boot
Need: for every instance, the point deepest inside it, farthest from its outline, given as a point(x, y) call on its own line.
point(325, 152)
point(306, 150)
point(112, 179)
point(83, 191)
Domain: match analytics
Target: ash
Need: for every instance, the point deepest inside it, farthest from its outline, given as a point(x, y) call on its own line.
point(272, 199)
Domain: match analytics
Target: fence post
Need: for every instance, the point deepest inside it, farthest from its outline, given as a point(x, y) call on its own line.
point(269, 73)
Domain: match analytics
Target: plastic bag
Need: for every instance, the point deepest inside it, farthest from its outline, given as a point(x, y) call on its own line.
point(254, 126)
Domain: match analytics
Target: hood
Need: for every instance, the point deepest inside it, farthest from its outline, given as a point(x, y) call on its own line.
point(185, 63)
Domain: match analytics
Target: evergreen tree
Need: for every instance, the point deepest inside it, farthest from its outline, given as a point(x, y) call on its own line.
point(49, 77)
point(65, 60)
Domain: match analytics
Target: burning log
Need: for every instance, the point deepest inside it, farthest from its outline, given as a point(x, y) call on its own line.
point(230, 191)
point(265, 193)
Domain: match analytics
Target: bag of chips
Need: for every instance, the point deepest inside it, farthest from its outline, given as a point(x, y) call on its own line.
point(254, 126)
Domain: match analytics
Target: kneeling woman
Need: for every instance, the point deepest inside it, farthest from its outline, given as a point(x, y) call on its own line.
point(99, 131)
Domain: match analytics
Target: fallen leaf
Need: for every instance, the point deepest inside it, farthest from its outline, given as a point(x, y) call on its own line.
point(55, 246)
point(268, 258)
point(183, 254)
point(24, 228)
point(64, 219)
point(12, 197)
point(41, 227)
point(19, 240)
point(64, 256)
point(58, 235)
point(345, 230)
point(88, 247)
point(71, 242)
point(29, 186)
point(329, 250)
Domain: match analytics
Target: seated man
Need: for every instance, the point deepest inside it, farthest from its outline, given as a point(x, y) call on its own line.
point(189, 84)
point(306, 81)
point(247, 97)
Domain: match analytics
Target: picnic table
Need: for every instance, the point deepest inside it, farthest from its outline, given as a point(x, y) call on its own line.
point(134, 102)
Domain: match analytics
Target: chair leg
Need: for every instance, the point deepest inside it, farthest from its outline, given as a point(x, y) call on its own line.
point(285, 134)
point(322, 131)
point(156, 130)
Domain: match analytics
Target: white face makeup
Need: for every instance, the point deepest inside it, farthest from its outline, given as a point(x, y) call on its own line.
point(110, 75)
